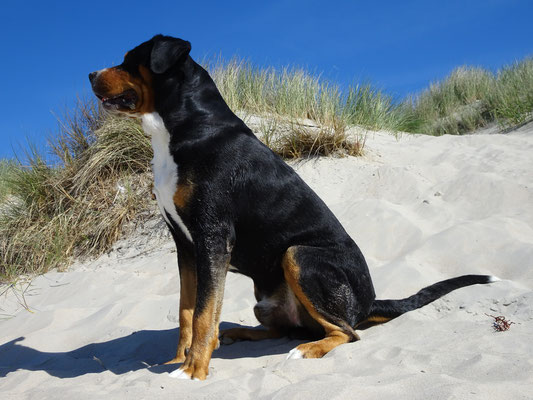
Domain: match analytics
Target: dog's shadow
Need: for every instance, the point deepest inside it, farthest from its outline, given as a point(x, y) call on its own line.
point(143, 349)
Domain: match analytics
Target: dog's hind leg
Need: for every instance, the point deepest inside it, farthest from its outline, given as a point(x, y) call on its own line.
point(229, 336)
point(327, 295)
point(277, 312)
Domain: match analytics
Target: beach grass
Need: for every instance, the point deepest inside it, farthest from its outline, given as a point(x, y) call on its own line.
point(471, 98)
point(456, 105)
point(79, 205)
point(77, 196)
point(7, 168)
point(296, 93)
point(512, 100)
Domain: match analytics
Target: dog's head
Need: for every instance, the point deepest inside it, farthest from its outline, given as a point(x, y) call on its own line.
point(129, 87)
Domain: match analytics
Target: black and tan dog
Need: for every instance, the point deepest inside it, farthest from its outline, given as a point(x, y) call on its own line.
point(232, 204)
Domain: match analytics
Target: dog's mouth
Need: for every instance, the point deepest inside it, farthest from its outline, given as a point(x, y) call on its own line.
point(126, 100)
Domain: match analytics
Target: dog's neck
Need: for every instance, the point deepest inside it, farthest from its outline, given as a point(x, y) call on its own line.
point(192, 101)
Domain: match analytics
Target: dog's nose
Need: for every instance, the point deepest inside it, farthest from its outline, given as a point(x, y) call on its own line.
point(92, 75)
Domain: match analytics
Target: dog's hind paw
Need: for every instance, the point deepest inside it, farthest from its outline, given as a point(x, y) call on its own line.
point(226, 340)
point(294, 354)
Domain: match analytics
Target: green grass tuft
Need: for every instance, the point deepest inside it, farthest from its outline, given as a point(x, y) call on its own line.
point(471, 98)
point(7, 168)
point(512, 100)
point(99, 181)
point(80, 206)
point(294, 93)
point(456, 105)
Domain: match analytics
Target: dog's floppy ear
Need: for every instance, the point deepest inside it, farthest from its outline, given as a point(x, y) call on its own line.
point(167, 51)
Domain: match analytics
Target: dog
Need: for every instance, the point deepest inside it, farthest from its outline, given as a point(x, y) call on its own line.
point(232, 204)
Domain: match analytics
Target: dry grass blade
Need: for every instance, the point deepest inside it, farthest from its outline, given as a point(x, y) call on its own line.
point(295, 94)
point(305, 141)
point(470, 98)
point(80, 206)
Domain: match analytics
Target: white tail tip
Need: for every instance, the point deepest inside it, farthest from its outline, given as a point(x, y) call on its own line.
point(493, 278)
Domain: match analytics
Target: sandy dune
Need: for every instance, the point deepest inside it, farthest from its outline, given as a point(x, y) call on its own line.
point(421, 208)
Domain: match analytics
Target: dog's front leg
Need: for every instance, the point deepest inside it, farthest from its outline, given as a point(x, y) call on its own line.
point(187, 268)
point(212, 262)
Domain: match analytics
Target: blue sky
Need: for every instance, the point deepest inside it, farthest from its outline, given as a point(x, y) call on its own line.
point(401, 46)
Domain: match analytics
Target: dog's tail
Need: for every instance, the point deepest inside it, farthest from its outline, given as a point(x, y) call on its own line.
point(385, 310)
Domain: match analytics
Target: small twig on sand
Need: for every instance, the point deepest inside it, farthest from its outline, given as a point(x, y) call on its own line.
point(500, 324)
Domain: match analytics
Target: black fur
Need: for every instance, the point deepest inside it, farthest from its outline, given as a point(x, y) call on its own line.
point(394, 308)
point(248, 206)
point(167, 52)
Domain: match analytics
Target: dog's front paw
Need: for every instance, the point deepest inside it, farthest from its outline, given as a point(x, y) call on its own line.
point(182, 374)
point(197, 371)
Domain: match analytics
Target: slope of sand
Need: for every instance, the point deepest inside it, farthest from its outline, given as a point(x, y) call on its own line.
point(421, 208)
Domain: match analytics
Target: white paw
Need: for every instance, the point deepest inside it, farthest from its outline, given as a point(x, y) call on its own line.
point(294, 354)
point(180, 374)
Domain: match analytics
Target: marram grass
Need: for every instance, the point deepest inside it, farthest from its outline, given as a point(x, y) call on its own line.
point(471, 98)
point(80, 204)
point(295, 93)
point(512, 100)
point(7, 167)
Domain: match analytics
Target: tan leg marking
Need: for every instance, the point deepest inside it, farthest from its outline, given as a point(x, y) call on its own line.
point(204, 332)
point(229, 336)
point(205, 340)
point(183, 193)
point(372, 320)
point(334, 335)
point(319, 348)
point(187, 301)
point(378, 319)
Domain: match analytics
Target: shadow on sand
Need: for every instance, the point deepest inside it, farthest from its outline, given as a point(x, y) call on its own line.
point(142, 349)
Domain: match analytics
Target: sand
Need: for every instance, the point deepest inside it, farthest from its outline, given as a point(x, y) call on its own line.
point(421, 208)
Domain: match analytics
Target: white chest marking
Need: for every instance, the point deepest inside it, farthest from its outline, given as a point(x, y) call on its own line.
point(165, 170)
